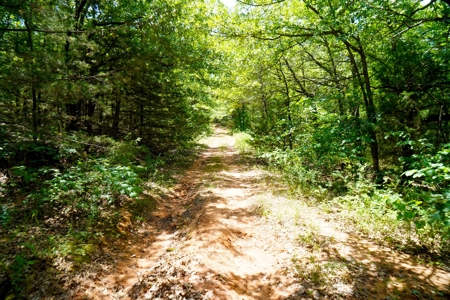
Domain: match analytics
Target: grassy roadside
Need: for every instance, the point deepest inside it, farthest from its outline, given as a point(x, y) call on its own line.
point(359, 206)
point(331, 259)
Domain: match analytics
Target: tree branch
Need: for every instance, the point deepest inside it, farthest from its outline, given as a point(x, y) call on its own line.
point(116, 22)
point(263, 4)
point(38, 30)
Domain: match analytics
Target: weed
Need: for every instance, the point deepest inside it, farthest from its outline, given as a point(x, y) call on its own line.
point(5, 215)
point(58, 214)
point(19, 269)
point(142, 206)
point(335, 277)
point(309, 238)
point(262, 207)
point(412, 216)
point(243, 142)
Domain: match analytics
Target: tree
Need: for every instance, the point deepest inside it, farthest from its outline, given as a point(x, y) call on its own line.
point(102, 67)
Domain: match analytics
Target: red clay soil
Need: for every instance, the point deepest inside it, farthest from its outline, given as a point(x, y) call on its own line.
point(208, 241)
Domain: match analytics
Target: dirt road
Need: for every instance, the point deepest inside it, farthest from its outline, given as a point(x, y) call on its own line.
point(222, 233)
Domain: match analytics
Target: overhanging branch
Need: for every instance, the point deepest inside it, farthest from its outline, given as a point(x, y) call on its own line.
point(262, 4)
point(39, 30)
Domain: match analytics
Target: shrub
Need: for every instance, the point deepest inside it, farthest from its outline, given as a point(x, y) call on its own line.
point(89, 187)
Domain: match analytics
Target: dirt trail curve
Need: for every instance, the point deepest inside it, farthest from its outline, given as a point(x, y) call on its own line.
point(209, 241)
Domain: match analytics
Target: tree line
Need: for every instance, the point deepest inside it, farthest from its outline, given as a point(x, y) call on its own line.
point(134, 69)
point(337, 92)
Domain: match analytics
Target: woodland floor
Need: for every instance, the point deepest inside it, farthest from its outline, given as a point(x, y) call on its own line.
point(226, 232)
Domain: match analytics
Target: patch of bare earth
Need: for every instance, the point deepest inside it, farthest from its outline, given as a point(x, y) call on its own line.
point(218, 235)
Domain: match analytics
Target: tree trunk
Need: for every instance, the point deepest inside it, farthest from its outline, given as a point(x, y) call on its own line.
point(287, 106)
point(116, 118)
point(90, 109)
point(74, 110)
point(141, 118)
point(33, 83)
point(365, 87)
point(371, 116)
point(34, 112)
point(407, 149)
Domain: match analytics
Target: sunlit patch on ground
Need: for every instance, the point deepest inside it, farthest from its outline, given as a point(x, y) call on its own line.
point(220, 139)
point(337, 263)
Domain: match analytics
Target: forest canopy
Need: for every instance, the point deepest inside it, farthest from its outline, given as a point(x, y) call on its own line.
point(116, 68)
point(348, 100)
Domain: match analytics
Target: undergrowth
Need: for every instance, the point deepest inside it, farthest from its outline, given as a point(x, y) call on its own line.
point(295, 216)
point(412, 216)
point(330, 262)
point(243, 142)
point(60, 202)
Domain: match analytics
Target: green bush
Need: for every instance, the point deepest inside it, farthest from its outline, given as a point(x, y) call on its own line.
point(411, 216)
point(89, 187)
point(426, 200)
point(295, 170)
point(5, 215)
point(398, 218)
point(429, 185)
point(32, 154)
point(81, 192)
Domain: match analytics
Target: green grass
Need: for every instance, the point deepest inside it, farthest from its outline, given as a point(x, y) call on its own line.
point(243, 140)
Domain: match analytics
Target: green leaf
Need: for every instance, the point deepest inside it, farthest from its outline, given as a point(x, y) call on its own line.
point(410, 172)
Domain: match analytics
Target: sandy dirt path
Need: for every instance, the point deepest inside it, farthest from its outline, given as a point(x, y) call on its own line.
point(212, 238)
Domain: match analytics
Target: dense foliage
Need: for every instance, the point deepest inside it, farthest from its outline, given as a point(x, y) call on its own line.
point(345, 95)
point(103, 67)
point(96, 97)
point(349, 99)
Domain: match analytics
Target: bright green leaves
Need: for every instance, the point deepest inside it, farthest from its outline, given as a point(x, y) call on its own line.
point(107, 67)
point(323, 80)
point(429, 180)
point(82, 192)
point(93, 181)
